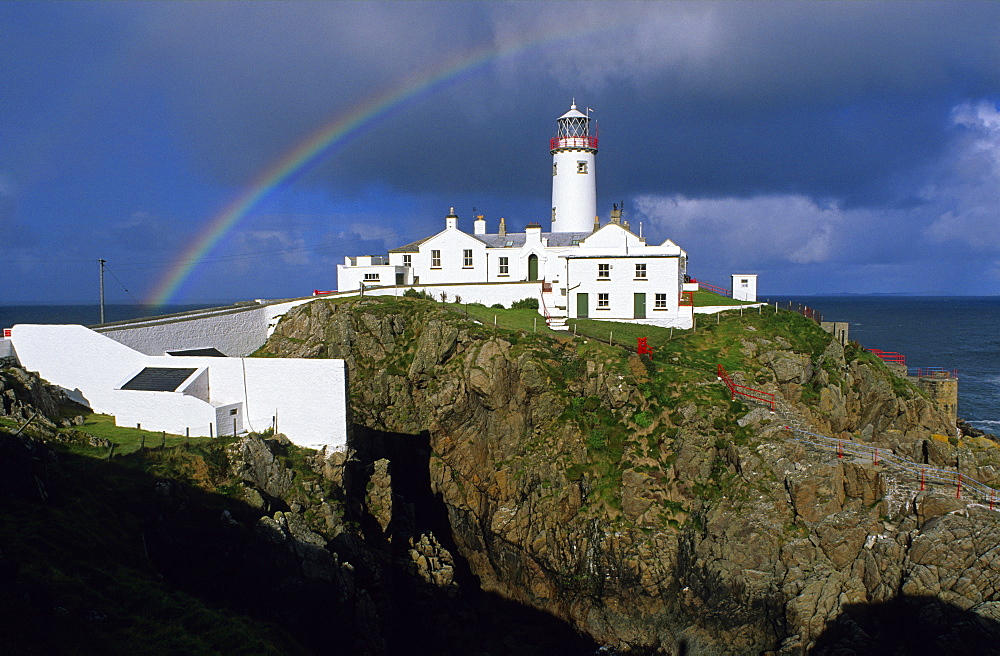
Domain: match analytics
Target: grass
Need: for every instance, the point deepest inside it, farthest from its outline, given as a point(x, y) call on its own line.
point(128, 440)
point(523, 319)
point(705, 298)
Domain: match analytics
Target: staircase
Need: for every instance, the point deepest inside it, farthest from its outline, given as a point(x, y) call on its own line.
point(555, 314)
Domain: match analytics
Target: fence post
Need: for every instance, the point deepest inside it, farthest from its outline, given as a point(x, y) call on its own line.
point(875, 456)
point(840, 448)
point(142, 442)
point(210, 430)
point(234, 426)
point(958, 490)
point(992, 493)
point(921, 479)
point(163, 439)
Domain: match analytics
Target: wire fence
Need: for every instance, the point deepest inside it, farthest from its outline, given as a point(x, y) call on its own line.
point(919, 477)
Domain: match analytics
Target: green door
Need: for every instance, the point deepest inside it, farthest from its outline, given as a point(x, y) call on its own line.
point(640, 306)
point(582, 306)
point(532, 267)
point(400, 278)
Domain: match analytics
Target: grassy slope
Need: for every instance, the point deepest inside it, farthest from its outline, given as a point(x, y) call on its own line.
point(77, 574)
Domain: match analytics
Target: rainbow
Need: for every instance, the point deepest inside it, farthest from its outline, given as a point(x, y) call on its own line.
point(320, 145)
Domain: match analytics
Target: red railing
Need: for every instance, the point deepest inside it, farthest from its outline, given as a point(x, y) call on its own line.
point(933, 372)
point(6, 332)
point(572, 142)
point(712, 288)
point(744, 391)
point(889, 356)
point(545, 308)
point(317, 292)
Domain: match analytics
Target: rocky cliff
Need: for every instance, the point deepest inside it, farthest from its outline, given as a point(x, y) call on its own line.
point(507, 492)
point(632, 499)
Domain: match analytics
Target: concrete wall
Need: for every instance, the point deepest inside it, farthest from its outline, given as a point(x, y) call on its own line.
point(236, 331)
point(744, 286)
point(662, 277)
point(309, 397)
point(841, 330)
point(504, 293)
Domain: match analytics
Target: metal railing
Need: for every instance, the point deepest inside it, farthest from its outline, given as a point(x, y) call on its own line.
point(921, 476)
point(744, 391)
point(889, 356)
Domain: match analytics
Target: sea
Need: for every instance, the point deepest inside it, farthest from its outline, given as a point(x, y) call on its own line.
point(951, 332)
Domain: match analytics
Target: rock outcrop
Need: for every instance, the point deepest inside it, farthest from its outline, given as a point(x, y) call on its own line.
point(635, 501)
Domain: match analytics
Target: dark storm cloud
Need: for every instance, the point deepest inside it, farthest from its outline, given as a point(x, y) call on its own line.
point(810, 130)
point(829, 99)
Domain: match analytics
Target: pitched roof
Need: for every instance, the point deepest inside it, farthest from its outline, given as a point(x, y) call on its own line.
point(412, 247)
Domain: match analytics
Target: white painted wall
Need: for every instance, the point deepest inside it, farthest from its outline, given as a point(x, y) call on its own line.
point(574, 195)
point(662, 277)
point(504, 293)
point(744, 286)
point(309, 396)
point(235, 331)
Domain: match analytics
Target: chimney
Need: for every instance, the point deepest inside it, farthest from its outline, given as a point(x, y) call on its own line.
point(597, 223)
point(479, 225)
point(451, 221)
point(533, 232)
point(502, 230)
point(616, 215)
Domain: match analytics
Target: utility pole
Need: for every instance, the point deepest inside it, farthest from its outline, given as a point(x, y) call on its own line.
point(101, 262)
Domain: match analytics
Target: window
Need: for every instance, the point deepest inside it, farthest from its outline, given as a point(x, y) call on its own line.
point(407, 260)
point(371, 276)
point(435, 259)
point(744, 282)
point(467, 258)
point(508, 244)
point(640, 271)
point(553, 168)
point(603, 302)
point(576, 242)
point(603, 271)
point(233, 412)
point(581, 166)
point(660, 302)
point(504, 266)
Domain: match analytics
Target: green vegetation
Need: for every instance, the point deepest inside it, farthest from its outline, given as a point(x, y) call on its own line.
point(705, 298)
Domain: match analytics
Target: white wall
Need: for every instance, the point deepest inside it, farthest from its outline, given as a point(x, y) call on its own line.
point(744, 286)
point(504, 293)
point(235, 331)
point(451, 243)
point(309, 396)
point(574, 195)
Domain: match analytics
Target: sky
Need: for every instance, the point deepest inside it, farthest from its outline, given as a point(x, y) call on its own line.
point(844, 147)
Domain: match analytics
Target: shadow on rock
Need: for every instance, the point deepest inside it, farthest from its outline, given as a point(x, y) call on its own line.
point(912, 625)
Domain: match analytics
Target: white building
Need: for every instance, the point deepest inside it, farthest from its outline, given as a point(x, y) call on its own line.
point(190, 395)
point(583, 269)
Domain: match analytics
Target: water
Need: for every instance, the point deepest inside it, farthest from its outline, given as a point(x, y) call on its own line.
point(957, 332)
point(86, 315)
point(952, 332)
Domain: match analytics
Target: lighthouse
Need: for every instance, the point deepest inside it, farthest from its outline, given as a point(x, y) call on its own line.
point(574, 188)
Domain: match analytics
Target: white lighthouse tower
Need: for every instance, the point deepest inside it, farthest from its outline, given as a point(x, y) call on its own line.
point(574, 188)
